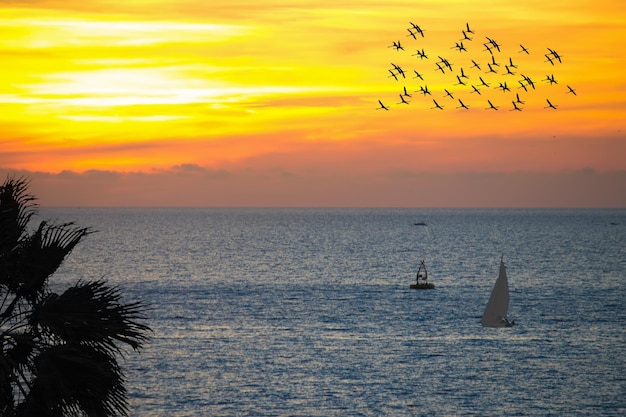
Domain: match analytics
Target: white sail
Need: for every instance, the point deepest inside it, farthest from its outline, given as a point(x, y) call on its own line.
point(498, 305)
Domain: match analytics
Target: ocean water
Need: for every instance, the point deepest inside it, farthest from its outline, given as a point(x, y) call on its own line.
point(308, 312)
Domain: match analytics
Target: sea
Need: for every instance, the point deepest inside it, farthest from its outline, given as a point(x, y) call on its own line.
point(308, 311)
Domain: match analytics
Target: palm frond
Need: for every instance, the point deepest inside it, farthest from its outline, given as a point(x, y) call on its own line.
point(74, 379)
point(91, 313)
point(44, 252)
point(17, 207)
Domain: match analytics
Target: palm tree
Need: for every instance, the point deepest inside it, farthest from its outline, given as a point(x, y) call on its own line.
point(58, 352)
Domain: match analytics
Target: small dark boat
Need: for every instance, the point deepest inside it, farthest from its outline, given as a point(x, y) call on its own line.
point(422, 279)
point(419, 224)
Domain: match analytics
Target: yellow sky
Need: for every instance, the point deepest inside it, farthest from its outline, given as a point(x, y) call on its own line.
point(293, 87)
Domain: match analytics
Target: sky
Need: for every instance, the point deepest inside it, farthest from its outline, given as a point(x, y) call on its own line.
point(275, 103)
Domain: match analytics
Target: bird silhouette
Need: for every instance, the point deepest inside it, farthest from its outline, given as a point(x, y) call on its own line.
point(437, 106)
point(424, 90)
point(550, 79)
point(399, 69)
point(503, 87)
point(555, 55)
point(462, 105)
point(491, 106)
point(550, 105)
point(417, 29)
point(396, 45)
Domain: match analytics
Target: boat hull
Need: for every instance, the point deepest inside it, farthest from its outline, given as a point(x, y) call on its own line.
point(422, 286)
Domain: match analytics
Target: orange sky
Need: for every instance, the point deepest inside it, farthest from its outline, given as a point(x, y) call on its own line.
point(274, 103)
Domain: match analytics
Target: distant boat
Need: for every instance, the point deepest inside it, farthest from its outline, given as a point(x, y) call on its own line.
point(422, 275)
point(495, 314)
point(419, 224)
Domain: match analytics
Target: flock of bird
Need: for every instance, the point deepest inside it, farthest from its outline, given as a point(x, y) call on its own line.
point(477, 77)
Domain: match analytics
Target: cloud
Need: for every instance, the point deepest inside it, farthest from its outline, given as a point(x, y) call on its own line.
point(193, 185)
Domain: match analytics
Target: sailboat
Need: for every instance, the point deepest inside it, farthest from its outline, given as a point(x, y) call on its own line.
point(498, 304)
point(422, 275)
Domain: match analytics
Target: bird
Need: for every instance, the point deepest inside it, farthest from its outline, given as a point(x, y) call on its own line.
point(503, 86)
point(490, 69)
point(529, 81)
point(465, 37)
point(448, 94)
point(399, 69)
point(494, 43)
point(462, 105)
point(393, 74)
point(493, 61)
point(476, 90)
point(406, 94)
point(417, 29)
point(460, 82)
point(421, 54)
point(382, 106)
point(411, 34)
point(522, 85)
point(491, 106)
point(508, 70)
point(549, 59)
point(515, 107)
point(396, 45)
point(482, 82)
point(523, 49)
point(517, 99)
point(402, 100)
point(468, 28)
point(445, 62)
point(555, 55)
point(463, 74)
point(459, 46)
point(437, 106)
point(440, 68)
point(550, 79)
point(570, 90)
point(475, 65)
point(424, 90)
point(418, 75)
point(550, 105)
